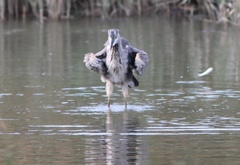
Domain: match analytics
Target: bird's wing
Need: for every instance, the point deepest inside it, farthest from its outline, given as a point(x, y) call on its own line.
point(96, 63)
point(101, 54)
point(125, 43)
point(137, 60)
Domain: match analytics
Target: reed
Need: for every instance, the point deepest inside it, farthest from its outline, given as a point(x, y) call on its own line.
point(2, 9)
point(214, 10)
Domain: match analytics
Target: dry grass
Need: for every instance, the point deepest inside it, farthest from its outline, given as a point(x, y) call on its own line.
point(214, 10)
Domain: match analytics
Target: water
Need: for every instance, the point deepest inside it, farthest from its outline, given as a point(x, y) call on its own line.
point(54, 111)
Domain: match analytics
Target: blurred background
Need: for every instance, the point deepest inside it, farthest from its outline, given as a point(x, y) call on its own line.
point(214, 10)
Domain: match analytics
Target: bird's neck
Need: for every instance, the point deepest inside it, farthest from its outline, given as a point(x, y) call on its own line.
point(115, 48)
point(116, 51)
point(115, 55)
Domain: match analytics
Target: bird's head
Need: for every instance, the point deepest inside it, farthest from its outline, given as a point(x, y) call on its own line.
point(113, 37)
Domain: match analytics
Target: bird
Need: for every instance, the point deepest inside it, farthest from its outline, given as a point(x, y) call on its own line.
point(116, 63)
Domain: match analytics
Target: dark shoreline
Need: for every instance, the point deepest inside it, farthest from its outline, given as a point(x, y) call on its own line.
point(225, 11)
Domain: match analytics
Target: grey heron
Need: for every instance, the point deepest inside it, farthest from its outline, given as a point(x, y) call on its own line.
point(116, 63)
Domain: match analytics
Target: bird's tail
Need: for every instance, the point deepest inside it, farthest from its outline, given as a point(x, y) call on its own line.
point(133, 83)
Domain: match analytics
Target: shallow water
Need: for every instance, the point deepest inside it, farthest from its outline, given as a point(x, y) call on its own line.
point(54, 111)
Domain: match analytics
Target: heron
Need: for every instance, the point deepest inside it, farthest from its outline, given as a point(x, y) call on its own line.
point(116, 63)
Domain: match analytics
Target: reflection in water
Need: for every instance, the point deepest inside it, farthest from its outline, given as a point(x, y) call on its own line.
point(120, 149)
point(117, 148)
point(52, 111)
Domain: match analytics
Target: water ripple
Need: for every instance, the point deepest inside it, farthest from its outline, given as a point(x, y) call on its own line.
point(114, 108)
point(147, 131)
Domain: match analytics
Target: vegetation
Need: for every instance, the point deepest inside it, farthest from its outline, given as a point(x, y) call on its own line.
point(215, 10)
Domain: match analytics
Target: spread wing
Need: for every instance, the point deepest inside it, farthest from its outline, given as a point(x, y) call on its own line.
point(96, 62)
point(137, 60)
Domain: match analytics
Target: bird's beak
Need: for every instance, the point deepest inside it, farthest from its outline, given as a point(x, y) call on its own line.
point(111, 44)
point(114, 42)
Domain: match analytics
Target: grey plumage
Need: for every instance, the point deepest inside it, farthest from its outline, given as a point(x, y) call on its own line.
point(116, 63)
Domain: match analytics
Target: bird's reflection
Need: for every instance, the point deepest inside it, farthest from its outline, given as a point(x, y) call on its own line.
point(121, 148)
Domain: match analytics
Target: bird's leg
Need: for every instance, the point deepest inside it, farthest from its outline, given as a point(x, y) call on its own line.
point(109, 90)
point(125, 93)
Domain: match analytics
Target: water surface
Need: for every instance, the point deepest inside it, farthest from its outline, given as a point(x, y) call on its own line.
point(54, 111)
